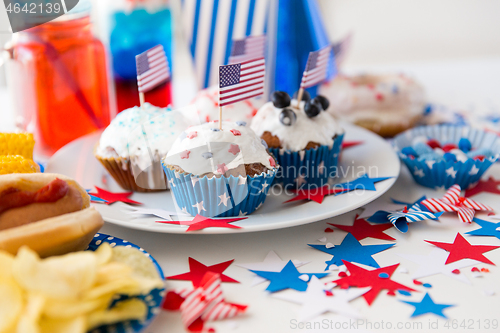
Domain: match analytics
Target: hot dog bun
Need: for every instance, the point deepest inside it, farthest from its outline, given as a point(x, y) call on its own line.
point(55, 235)
point(76, 199)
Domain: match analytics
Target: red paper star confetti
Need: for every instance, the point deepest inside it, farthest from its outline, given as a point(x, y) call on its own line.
point(197, 270)
point(349, 144)
point(201, 222)
point(491, 186)
point(453, 202)
point(204, 303)
point(361, 229)
point(378, 279)
point(462, 249)
point(111, 197)
point(314, 194)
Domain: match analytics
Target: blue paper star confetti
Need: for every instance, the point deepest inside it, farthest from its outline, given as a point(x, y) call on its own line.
point(362, 183)
point(93, 198)
point(427, 305)
point(351, 250)
point(487, 229)
point(289, 277)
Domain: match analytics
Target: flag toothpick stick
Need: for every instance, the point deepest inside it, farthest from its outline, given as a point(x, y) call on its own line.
point(316, 69)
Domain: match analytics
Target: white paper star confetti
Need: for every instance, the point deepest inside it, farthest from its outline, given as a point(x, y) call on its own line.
point(434, 263)
point(161, 213)
point(316, 302)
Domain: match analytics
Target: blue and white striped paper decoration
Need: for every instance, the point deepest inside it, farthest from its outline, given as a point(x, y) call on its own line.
point(211, 26)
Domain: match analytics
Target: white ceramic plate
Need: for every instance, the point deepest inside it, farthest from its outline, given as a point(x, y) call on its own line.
point(374, 157)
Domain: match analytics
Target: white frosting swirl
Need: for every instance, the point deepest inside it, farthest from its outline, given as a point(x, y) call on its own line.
point(320, 129)
point(135, 130)
point(203, 149)
point(385, 99)
point(205, 108)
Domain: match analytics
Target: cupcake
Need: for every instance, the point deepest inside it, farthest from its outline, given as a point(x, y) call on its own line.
point(132, 146)
point(213, 172)
point(305, 139)
point(385, 104)
point(441, 156)
point(205, 108)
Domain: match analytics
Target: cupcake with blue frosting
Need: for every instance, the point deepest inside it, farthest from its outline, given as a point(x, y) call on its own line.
point(132, 146)
point(219, 172)
point(305, 139)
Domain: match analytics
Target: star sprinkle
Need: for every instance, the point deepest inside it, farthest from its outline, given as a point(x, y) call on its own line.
point(288, 278)
point(234, 149)
point(427, 305)
point(462, 249)
point(111, 197)
point(185, 154)
point(222, 168)
point(351, 250)
point(197, 270)
point(490, 185)
point(235, 132)
point(435, 263)
point(192, 135)
point(453, 202)
point(315, 301)
point(204, 303)
point(362, 229)
point(93, 198)
point(487, 229)
point(378, 279)
point(201, 222)
point(272, 263)
point(401, 219)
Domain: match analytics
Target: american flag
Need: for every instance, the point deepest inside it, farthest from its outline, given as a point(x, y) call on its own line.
point(249, 48)
point(241, 81)
point(316, 67)
point(152, 68)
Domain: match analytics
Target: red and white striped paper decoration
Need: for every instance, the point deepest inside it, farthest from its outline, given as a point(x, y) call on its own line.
point(238, 82)
point(316, 67)
point(152, 68)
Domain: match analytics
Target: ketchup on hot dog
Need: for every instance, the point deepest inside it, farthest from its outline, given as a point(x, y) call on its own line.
point(52, 192)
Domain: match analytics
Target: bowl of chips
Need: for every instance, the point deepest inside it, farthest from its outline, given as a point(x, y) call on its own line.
point(113, 286)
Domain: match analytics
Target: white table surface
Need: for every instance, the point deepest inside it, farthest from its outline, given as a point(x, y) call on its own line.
point(461, 83)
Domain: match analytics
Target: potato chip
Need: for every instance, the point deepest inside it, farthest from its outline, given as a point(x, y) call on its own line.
point(66, 276)
point(6, 260)
point(121, 286)
point(111, 272)
point(75, 325)
point(11, 304)
point(140, 263)
point(57, 308)
point(28, 321)
point(103, 254)
point(131, 309)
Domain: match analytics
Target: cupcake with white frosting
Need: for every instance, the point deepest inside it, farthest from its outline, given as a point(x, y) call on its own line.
point(132, 146)
point(219, 172)
point(385, 104)
point(305, 139)
point(205, 108)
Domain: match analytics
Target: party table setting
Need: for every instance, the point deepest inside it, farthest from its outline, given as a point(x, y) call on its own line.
point(289, 193)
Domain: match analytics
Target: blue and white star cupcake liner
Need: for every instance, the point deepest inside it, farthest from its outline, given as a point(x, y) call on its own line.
point(309, 168)
point(219, 197)
point(152, 300)
point(444, 174)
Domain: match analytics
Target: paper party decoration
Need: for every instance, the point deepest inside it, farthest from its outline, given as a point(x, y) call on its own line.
point(361, 229)
point(164, 214)
point(378, 279)
point(375, 206)
point(427, 305)
point(401, 219)
point(462, 249)
point(435, 263)
point(272, 263)
point(93, 198)
point(351, 250)
point(363, 183)
point(349, 144)
point(201, 222)
point(314, 194)
point(490, 185)
point(197, 270)
point(453, 202)
point(486, 229)
point(111, 197)
point(316, 302)
point(288, 277)
point(204, 303)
